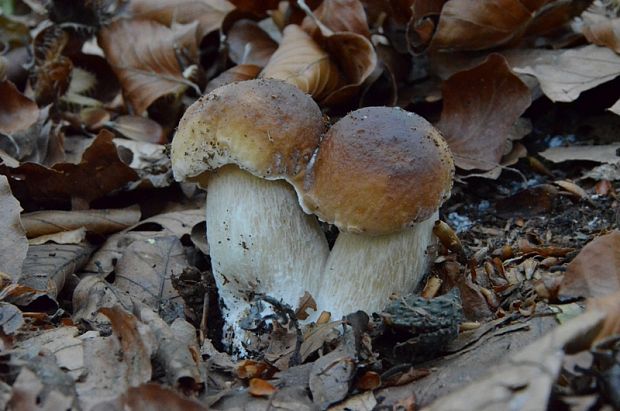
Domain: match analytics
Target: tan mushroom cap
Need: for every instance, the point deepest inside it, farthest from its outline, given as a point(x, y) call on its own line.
point(379, 170)
point(267, 127)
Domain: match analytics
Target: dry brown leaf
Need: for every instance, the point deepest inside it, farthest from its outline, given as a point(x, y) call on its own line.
point(527, 376)
point(241, 72)
point(17, 112)
point(480, 107)
point(94, 293)
point(48, 266)
point(146, 66)
point(357, 59)
point(248, 43)
point(11, 318)
point(177, 223)
point(595, 272)
point(478, 25)
point(182, 368)
point(150, 397)
point(260, 388)
point(605, 33)
point(63, 237)
point(370, 380)
point(610, 305)
point(29, 393)
point(150, 161)
point(99, 172)
point(338, 16)
point(136, 352)
point(300, 61)
point(139, 129)
point(600, 154)
point(564, 74)
point(99, 221)
point(145, 272)
point(208, 13)
point(13, 242)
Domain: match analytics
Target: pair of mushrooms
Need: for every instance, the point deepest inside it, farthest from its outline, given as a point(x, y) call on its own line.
point(379, 174)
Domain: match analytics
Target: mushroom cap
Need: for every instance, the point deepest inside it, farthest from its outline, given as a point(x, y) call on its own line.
point(377, 171)
point(267, 127)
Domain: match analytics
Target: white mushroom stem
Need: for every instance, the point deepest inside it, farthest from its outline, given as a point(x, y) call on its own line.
point(363, 271)
point(260, 241)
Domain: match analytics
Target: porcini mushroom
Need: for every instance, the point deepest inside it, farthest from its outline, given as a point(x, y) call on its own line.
point(380, 175)
point(254, 137)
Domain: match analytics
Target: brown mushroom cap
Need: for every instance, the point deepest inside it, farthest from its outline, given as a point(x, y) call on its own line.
point(379, 170)
point(267, 127)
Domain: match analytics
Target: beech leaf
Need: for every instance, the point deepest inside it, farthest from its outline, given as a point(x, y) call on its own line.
point(480, 107)
point(300, 61)
point(13, 242)
point(209, 13)
point(17, 112)
point(595, 272)
point(146, 66)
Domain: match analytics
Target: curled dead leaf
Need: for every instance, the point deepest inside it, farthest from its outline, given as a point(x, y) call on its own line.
point(249, 44)
point(300, 61)
point(261, 388)
point(241, 72)
point(480, 107)
point(338, 16)
point(147, 66)
point(208, 13)
point(595, 272)
point(17, 112)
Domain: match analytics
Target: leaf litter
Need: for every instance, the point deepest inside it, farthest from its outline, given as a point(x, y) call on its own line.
point(106, 293)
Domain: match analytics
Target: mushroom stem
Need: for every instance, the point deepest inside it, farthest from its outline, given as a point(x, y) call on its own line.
point(260, 242)
point(363, 271)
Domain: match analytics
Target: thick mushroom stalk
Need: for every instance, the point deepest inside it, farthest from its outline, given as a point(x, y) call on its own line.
point(247, 135)
point(380, 175)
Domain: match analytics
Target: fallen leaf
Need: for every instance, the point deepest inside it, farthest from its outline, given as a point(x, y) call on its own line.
point(63, 343)
point(610, 305)
point(338, 16)
point(48, 266)
point(182, 368)
point(480, 107)
point(150, 161)
point(249, 44)
point(564, 74)
point(209, 13)
point(604, 33)
point(75, 236)
point(475, 25)
point(331, 376)
point(99, 172)
point(13, 242)
point(17, 112)
point(609, 154)
point(135, 350)
point(595, 272)
point(260, 388)
point(94, 293)
point(241, 72)
point(300, 61)
point(98, 221)
point(150, 397)
point(11, 318)
point(528, 202)
point(527, 375)
point(177, 223)
point(145, 272)
point(138, 129)
point(147, 66)
point(368, 381)
point(30, 394)
point(365, 401)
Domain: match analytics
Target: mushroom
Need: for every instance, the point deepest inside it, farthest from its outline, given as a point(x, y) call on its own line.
point(380, 175)
point(254, 138)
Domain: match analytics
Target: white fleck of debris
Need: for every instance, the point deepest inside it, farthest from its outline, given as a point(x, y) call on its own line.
point(560, 140)
point(459, 222)
point(484, 205)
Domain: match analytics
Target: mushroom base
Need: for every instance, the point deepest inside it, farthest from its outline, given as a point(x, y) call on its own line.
point(261, 242)
point(363, 271)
